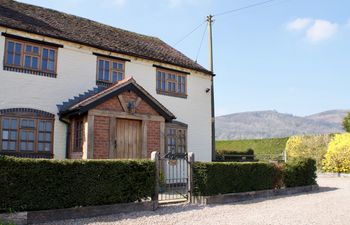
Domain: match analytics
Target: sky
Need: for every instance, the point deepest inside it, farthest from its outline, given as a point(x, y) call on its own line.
point(292, 56)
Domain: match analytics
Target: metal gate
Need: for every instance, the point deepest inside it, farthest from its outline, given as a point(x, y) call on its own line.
point(174, 170)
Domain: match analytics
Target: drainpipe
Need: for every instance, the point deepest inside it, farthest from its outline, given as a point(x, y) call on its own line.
point(67, 135)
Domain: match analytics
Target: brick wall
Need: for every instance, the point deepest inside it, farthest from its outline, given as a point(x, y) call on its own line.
point(153, 137)
point(101, 137)
point(101, 126)
point(112, 104)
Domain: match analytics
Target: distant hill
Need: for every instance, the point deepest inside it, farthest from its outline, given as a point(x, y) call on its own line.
point(272, 124)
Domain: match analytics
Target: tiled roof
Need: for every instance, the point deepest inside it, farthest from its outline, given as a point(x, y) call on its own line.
point(77, 99)
point(76, 29)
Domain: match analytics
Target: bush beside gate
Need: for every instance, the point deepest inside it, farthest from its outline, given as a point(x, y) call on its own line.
point(31, 184)
point(222, 178)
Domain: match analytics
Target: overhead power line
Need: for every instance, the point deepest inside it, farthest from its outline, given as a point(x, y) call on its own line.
point(200, 45)
point(184, 37)
point(243, 8)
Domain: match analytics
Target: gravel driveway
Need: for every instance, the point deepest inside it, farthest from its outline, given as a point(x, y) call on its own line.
point(330, 205)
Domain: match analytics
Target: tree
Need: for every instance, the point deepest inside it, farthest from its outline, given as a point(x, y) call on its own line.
point(337, 158)
point(346, 123)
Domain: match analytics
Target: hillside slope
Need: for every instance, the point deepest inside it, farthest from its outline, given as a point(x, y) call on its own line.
point(272, 124)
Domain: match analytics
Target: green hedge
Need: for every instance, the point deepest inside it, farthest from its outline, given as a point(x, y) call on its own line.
point(300, 172)
point(228, 177)
point(32, 184)
point(231, 177)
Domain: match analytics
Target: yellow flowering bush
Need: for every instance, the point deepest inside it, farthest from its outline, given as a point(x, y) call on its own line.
point(314, 147)
point(337, 158)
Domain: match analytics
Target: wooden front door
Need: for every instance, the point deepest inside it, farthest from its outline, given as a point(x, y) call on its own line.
point(128, 139)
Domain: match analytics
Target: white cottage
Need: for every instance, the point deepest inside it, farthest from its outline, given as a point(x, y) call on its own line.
point(74, 88)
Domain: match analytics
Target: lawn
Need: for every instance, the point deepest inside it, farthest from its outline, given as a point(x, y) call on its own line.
point(271, 146)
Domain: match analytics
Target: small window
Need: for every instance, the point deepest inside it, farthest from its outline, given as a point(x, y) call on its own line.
point(109, 71)
point(78, 136)
point(27, 57)
point(176, 138)
point(171, 83)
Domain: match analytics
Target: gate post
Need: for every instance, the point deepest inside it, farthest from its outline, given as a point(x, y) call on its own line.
point(155, 158)
point(190, 176)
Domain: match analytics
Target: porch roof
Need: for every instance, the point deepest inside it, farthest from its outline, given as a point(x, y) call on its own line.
point(84, 102)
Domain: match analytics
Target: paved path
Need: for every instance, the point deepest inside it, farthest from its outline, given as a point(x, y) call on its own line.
point(329, 206)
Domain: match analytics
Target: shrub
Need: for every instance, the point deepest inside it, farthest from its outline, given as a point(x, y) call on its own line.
point(337, 158)
point(300, 172)
point(32, 184)
point(235, 156)
point(346, 122)
point(220, 178)
point(314, 147)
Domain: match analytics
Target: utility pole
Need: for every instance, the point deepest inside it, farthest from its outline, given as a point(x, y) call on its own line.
point(211, 68)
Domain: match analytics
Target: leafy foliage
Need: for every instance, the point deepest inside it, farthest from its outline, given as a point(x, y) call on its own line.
point(260, 146)
point(300, 172)
point(32, 184)
point(212, 178)
point(228, 177)
point(314, 147)
point(346, 122)
point(337, 158)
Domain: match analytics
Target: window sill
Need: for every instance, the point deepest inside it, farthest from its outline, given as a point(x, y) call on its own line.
point(29, 71)
point(171, 94)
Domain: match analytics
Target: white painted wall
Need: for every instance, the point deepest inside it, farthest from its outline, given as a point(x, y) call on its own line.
point(77, 73)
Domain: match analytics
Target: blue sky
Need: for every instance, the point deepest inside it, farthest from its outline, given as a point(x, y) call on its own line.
point(292, 56)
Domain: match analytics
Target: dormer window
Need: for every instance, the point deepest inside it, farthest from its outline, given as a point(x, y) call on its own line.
point(109, 71)
point(29, 57)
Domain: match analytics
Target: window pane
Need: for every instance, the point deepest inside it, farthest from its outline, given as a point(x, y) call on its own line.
point(23, 135)
point(18, 48)
point(48, 137)
point(44, 64)
point(114, 77)
point(120, 66)
point(10, 46)
point(48, 126)
point(36, 49)
point(28, 48)
point(45, 53)
point(5, 135)
point(13, 124)
point(50, 66)
point(35, 62)
point(114, 65)
point(12, 145)
point(27, 61)
point(31, 136)
point(106, 75)
point(13, 135)
point(10, 58)
point(22, 146)
point(52, 55)
point(47, 147)
point(5, 145)
point(30, 146)
point(5, 123)
point(40, 146)
point(42, 126)
point(120, 76)
point(17, 60)
point(41, 136)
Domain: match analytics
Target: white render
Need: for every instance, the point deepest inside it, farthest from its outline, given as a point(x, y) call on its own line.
point(76, 73)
